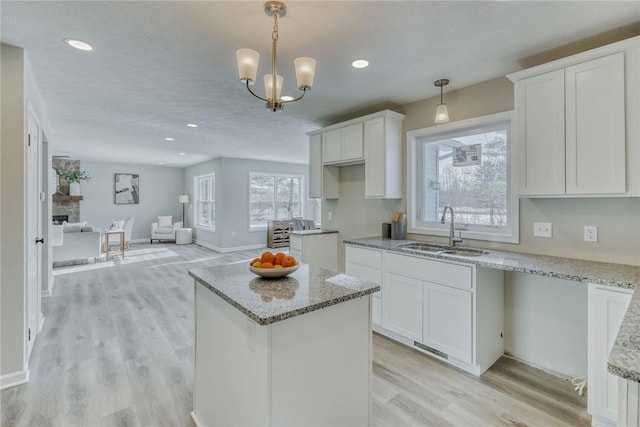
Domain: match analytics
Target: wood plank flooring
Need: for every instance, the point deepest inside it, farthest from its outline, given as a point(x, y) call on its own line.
point(117, 350)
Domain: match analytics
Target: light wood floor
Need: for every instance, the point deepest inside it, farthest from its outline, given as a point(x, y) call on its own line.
point(117, 350)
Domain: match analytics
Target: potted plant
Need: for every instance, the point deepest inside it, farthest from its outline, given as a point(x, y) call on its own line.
point(73, 178)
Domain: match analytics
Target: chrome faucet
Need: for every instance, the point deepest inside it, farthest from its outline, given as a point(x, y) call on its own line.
point(452, 239)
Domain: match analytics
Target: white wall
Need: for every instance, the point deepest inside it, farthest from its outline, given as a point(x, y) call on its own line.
point(160, 187)
point(232, 199)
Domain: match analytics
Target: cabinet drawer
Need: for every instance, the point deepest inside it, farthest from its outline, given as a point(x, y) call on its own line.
point(295, 243)
point(441, 272)
point(366, 257)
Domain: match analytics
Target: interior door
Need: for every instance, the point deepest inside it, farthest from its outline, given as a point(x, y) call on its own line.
point(34, 249)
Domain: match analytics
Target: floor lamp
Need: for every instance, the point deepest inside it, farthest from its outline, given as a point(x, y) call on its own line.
point(184, 199)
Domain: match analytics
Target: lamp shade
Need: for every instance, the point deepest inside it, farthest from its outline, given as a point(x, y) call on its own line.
point(268, 84)
point(248, 60)
point(183, 198)
point(442, 115)
point(305, 70)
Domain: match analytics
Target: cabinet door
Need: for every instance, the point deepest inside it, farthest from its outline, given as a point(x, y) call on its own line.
point(607, 307)
point(352, 147)
point(315, 166)
point(374, 158)
point(539, 103)
point(331, 146)
point(595, 96)
point(448, 321)
point(402, 306)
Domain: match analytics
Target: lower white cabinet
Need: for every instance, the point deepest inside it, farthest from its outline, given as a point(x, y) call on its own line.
point(402, 309)
point(450, 310)
point(320, 250)
point(447, 323)
point(607, 306)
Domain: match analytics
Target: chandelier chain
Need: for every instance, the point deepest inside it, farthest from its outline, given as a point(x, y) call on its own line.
point(274, 34)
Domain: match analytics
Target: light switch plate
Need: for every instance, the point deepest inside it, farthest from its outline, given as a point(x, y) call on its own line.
point(542, 229)
point(590, 233)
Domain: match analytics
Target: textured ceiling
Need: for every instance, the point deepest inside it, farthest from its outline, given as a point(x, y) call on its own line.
point(157, 65)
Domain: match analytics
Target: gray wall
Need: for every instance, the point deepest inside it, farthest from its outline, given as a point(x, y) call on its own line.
point(160, 187)
point(12, 210)
point(232, 199)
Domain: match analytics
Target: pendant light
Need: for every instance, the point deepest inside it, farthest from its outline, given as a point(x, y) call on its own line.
point(442, 115)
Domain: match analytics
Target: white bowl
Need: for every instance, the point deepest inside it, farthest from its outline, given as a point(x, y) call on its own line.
point(274, 272)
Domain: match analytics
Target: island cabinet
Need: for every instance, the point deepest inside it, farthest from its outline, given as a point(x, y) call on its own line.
point(450, 310)
point(292, 351)
point(607, 307)
point(316, 247)
point(577, 127)
point(375, 140)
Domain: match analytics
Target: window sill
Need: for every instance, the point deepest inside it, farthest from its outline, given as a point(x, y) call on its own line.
point(505, 237)
point(258, 229)
point(206, 228)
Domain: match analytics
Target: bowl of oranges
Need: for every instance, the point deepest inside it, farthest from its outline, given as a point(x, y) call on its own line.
point(273, 265)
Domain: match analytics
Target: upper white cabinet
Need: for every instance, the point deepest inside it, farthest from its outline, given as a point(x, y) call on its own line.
point(577, 127)
point(375, 140)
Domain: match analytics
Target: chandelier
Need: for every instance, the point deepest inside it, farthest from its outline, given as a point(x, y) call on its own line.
point(248, 60)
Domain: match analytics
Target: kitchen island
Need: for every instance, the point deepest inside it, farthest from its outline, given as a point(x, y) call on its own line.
point(288, 351)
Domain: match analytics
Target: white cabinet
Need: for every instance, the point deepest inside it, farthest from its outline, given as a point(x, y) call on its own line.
point(375, 140)
point(320, 250)
point(323, 180)
point(366, 264)
point(607, 306)
point(383, 157)
point(577, 127)
point(343, 144)
point(447, 321)
point(402, 309)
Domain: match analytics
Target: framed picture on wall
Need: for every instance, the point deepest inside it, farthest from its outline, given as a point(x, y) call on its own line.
point(126, 189)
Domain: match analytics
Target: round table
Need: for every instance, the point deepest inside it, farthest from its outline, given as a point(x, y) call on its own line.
point(184, 236)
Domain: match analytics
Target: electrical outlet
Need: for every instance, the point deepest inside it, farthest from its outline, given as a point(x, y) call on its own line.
point(542, 229)
point(590, 233)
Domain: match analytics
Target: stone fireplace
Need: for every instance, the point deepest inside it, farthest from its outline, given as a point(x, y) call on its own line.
point(63, 203)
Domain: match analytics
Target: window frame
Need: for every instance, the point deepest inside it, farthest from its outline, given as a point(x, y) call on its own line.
point(197, 201)
point(260, 228)
point(508, 234)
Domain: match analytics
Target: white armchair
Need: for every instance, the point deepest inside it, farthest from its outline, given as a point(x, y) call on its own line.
point(165, 229)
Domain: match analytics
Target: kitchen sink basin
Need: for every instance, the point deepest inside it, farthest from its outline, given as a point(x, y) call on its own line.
point(443, 250)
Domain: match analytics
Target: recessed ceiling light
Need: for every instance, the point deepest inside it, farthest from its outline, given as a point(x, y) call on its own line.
point(169, 139)
point(360, 63)
point(192, 125)
point(182, 154)
point(78, 44)
point(286, 98)
point(161, 163)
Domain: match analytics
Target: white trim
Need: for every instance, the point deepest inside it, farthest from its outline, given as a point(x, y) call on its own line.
point(49, 291)
point(434, 132)
point(225, 250)
point(383, 113)
point(205, 228)
point(14, 379)
point(195, 419)
point(40, 322)
point(303, 204)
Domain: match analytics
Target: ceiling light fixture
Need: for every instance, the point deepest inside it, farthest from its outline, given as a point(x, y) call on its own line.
point(287, 98)
point(192, 125)
point(360, 63)
point(182, 154)
point(442, 115)
point(78, 44)
point(161, 163)
point(169, 139)
point(248, 60)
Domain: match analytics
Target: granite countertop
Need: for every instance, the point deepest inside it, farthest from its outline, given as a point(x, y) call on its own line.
point(267, 301)
point(624, 360)
point(312, 232)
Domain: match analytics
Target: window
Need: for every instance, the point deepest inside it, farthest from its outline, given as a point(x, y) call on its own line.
point(205, 192)
point(466, 165)
point(273, 197)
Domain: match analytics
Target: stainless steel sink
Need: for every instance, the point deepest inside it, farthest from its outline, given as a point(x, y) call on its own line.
point(442, 249)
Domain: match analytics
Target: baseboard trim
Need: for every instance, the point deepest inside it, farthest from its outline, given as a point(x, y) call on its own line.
point(48, 292)
point(41, 322)
point(194, 417)
point(14, 379)
point(140, 240)
point(225, 250)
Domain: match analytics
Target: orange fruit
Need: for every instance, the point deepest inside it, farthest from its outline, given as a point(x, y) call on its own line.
point(267, 257)
point(289, 261)
point(279, 257)
point(254, 261)
point(266, 265)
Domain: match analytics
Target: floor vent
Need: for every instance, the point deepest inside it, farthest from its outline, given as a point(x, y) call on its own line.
point(431, 350)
